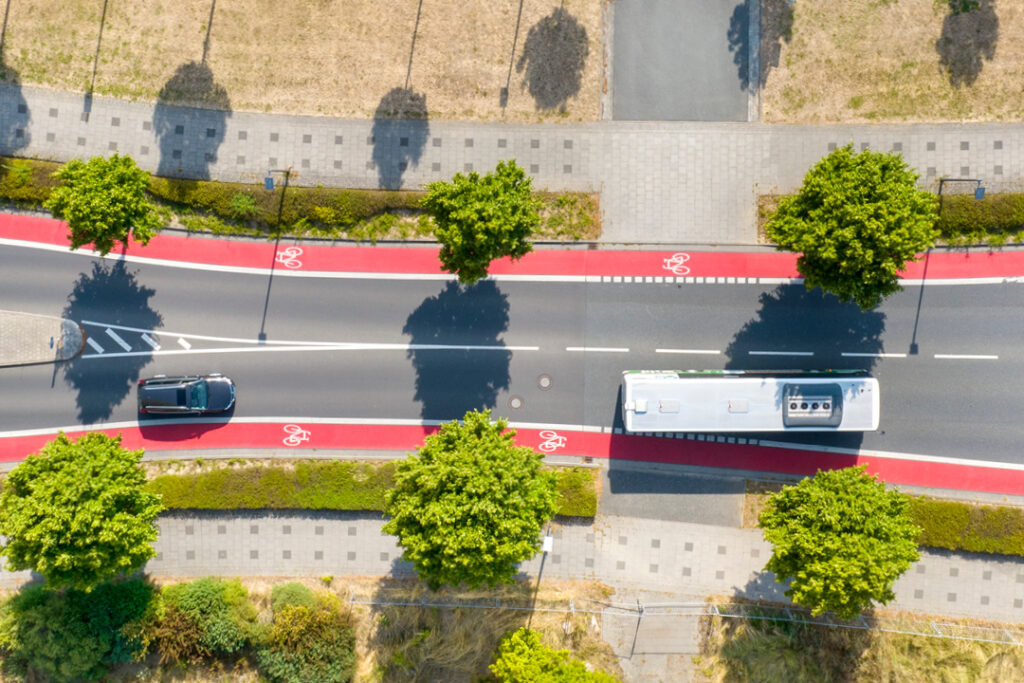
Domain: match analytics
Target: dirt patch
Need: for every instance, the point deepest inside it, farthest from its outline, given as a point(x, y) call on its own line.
point(445, 59)
point(856, 61)
point(767, 204)
point(754, 501)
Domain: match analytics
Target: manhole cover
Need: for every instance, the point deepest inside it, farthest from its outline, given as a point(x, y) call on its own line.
point(515, 402)
point(544, 382)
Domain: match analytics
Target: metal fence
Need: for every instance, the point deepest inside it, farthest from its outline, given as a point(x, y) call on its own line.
point(647, 614)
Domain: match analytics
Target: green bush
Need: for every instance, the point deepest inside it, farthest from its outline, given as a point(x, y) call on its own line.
point(308, 644)
point(215, 615)
point(26, 181)
point(522, 658)
point(243, 206)
point(973, 528)
point(966, 220)
point(72, 635)
point(309, 485)
point(577, 492)
point(327, 486)
point(291, 594)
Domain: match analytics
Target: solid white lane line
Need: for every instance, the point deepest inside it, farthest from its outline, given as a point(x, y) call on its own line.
point(184, 344)
point(319, 347)
point(781, 353)
point(598, 349)
point(152, 342)
point(874, 355)
point(709, 352)
point(964, 356)
point(92, 342)
point(120, 342)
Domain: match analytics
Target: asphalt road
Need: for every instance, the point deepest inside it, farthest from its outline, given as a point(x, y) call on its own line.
point(958, 407)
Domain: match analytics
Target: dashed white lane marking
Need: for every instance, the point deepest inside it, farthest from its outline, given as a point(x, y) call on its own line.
point(708, 352)
point(152, 342)
point(781, 353)
point(964, 356)
point(92, 342)
point(874, 355)
point(120, 342)
point(598, 349)
point(184, 344)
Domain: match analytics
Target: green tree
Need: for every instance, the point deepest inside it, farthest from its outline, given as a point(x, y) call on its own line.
point(481, 218)
point(103, 201)
point(841, 539)
point(78, 512)
point(857, 221)
point(71, 635)
point(522, 658)
point(470, 504)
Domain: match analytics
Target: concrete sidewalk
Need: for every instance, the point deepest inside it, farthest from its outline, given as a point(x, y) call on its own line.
point(674, 183)
point(26, 338)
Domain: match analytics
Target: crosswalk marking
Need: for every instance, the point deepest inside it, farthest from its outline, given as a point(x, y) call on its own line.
point(184, 344)
point(120, 342)
point(92, 342)
point(149, 340)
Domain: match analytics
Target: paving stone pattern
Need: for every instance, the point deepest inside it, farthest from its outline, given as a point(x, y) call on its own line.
point(674, 182)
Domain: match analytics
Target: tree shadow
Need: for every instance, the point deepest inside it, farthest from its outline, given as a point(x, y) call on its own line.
point(110, 295)
point(553, 58)
point(738, 36)
point(794, 319)
point(776, 28)
point(451, 382)
point(968, 38)
point(189, 122)
point(14, 112)
point(400, 132)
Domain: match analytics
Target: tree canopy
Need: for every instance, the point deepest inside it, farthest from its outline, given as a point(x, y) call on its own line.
point(857, 221)
point(841, 539)
point(481, 218)
point(103, 201)
point(78, 512)
point(522, 657)
point(470, 504)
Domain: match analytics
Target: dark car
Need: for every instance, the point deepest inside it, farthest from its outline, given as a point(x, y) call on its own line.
point(192, 395)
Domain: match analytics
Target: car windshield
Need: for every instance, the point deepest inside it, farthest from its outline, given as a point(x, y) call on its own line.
point(197, 396)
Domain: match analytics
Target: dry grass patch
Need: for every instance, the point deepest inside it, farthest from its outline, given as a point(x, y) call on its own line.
point(441, 59)
point(856, 61)
point(755, 650)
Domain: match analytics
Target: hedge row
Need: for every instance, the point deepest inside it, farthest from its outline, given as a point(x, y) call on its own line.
point(994, 220)
point(327, 486)
point(955, 525)
point(250, 209)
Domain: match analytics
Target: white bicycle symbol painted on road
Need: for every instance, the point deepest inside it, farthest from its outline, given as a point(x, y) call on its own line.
point(287, 257)
point(296, 435)
point(674, 264)
point(552, 441)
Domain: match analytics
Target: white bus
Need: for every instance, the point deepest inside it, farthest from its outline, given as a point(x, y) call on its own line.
point(749, 401)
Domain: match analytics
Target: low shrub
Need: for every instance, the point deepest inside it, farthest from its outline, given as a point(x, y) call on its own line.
point(308, 644)
point(522, 657)
point(72, 635)
point(955, 525)
point(577, 492)
point(26, 181)
point(330, 485)
point(205, 618)
point(309, 485)
point(994, 219)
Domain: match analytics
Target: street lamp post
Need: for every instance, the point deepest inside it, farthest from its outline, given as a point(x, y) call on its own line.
point(268, 184)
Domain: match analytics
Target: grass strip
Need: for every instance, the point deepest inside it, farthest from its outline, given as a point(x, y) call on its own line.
point(321, 212)
point(329, 485)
